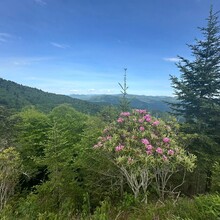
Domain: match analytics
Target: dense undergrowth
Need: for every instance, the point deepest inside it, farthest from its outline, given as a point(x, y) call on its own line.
point(197, 208)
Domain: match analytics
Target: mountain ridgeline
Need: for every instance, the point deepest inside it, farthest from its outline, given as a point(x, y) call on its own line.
point(13, 95)
point(152, 103)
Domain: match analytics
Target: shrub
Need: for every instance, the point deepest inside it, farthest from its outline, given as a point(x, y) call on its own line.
point(146, 151)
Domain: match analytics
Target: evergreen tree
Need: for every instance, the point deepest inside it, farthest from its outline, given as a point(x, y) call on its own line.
point(198, 89)
point(124, 102)
point(198, 92)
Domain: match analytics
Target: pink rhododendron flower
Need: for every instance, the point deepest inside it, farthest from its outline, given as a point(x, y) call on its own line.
point(141, 111)
point(140, 120)
point(165, 158)
point(166, 140)
point(159, 150)
point(120, 120)
point(141, 128)
point(170, 152)
point(125, 114)
point(119, 147)
point(147, 118)
point(149, 147)
point(145, 141)
point(149, 152)
point(156, 123)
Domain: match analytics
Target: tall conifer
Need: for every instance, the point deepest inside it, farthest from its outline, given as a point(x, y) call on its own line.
point(124, 102)
point(198, 92)
point(198, 89)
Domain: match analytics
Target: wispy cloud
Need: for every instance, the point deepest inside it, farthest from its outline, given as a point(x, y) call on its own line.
point(58, 45)
point(171, 59)
point(4, 37)
point(40, 2)
point(90, 91)
point(23, 61)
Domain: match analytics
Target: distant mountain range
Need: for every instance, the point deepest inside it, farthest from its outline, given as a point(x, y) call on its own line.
point(13, 95)
point(153, 103)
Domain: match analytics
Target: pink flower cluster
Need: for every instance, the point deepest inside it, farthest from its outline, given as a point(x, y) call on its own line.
point(155, 145)
point(119, 148)
point(147, 118)
point(148, 146)
point(141, 120)
point(170, 152)
point(141, 111)
point(159, 150)
point(165, 158)
point(149, 152)
point(166, 140)
point(126, 114)
point(156, 123)
point(145, 141)
point(120, 120)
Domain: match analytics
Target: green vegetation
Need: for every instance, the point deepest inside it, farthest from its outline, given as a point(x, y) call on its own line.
point(13, 95)
point(60, 160)
point(198, 92)
point(124, 102)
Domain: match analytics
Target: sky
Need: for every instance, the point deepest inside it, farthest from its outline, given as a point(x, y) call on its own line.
point(82, 46)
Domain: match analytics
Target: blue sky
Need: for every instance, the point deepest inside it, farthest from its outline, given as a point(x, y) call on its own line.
point(83, 46)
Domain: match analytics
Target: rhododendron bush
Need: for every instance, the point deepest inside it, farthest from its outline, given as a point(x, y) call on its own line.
point(146, 150)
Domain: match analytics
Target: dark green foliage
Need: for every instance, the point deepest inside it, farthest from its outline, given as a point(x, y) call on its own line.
point(13, 95)
point(31, 128)
point(198, 89)
point(199, 208)
point(198, 93)
point(108, 114)
point(7, 123)
point(93, 165)
point(216, 177)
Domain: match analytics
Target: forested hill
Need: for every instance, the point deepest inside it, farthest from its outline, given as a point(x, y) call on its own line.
point(153, 103)
point(13, 95)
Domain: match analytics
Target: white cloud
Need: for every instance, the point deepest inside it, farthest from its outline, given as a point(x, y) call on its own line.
point(171, 59)
point(83, 91)
point(75, 91)
point(91, 90)
point(4, 37)
point(40, 2)
point(98, 91)
point(23, 61)
point(61, 46)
